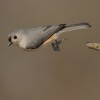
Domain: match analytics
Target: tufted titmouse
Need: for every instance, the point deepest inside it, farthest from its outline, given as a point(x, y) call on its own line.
point(29, 39)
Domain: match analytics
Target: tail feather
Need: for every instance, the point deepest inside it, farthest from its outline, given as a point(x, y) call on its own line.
point(78, 26)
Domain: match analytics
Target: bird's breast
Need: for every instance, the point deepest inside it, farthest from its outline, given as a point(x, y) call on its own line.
point(23, 44)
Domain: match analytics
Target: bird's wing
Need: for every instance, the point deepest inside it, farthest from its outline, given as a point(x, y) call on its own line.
point(44, 33)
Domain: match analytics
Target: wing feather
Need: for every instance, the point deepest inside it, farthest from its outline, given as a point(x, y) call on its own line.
point(47, 32)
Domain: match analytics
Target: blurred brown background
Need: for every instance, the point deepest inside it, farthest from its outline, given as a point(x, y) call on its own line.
point(72, 74)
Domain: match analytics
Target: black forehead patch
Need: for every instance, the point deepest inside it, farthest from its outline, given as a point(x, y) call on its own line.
point(9, 39)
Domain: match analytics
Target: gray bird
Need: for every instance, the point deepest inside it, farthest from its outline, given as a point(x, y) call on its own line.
point(34, 38)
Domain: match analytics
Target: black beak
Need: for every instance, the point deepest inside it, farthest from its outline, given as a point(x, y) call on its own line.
point(10, 42)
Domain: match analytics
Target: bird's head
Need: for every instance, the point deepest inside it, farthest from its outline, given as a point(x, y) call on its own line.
point(14, 38)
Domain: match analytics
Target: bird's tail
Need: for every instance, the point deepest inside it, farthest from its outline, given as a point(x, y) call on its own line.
point(78, 26)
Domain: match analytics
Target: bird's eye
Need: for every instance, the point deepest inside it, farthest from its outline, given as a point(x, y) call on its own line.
point(15, 37)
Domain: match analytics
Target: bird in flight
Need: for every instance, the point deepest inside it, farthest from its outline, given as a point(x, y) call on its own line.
point(34, 38)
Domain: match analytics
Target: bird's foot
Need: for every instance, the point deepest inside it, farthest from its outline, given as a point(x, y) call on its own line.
point(55, 45)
